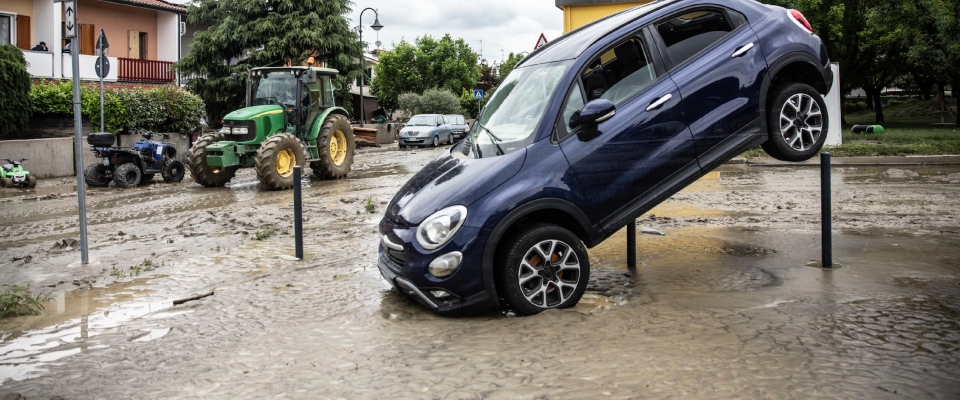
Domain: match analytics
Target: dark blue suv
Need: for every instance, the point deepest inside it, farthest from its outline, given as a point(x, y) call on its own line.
point(591, 131)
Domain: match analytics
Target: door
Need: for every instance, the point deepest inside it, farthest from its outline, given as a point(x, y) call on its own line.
point(630, 158)
point(133, 47)
point(716, 61)
point(87, 39)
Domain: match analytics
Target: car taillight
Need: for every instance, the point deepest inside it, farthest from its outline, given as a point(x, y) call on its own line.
point(798, 16)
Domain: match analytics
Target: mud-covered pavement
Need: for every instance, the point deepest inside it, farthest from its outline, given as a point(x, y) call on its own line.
point(725, 306)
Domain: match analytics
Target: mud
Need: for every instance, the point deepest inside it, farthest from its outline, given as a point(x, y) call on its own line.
point(723, 306)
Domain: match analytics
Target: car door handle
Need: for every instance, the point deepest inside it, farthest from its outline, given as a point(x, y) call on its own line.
point(742, 50)
point(656, 104)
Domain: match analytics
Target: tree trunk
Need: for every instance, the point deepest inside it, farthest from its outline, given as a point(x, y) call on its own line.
point(941, 100)
point(954, 84)
point(869, 97)
point(878, 107)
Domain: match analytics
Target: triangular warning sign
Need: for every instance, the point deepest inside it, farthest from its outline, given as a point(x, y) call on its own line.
point(540, 42)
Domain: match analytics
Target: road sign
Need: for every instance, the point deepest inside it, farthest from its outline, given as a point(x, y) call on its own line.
point(70, 22)
point(103, 46)
point(102, 67)
point(478, 94)
point(540, 42)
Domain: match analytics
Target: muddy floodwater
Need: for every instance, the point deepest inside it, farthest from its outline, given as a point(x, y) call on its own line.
point(730, 303)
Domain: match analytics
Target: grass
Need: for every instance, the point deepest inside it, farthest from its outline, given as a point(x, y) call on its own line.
point(909, 130)
point(370, 207)
point(261, 235)
point(16, 300)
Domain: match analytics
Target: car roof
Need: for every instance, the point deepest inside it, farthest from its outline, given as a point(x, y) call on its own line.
point(574, 43)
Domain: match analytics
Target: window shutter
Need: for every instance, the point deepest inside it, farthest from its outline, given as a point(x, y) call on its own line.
point(23, 32)
point(87, 39)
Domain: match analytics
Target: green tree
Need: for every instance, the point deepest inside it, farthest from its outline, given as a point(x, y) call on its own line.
point(245, 34)
point(15, 105)
point(509, 64)
point(427, 63)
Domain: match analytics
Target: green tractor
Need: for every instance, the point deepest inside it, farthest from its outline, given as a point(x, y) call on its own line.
point(290, 118)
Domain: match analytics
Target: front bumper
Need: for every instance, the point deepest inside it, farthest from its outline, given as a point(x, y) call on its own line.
point(407, 272)
point(416, 140)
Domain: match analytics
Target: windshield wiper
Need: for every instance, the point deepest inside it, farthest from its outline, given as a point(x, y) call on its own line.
point(492, 136)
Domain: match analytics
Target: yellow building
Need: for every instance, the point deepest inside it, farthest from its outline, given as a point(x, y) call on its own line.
point(577, 13)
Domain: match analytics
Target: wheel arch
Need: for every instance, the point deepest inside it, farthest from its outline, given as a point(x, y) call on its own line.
point(793, 67)
point(318, 122)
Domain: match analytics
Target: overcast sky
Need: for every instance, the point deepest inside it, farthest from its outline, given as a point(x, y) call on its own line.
point(504, 26)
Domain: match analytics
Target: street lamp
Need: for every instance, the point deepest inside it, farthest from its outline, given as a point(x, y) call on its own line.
point(376, 26)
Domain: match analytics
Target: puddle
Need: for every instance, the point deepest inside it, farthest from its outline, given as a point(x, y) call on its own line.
point(592, 303)
point(69, 321)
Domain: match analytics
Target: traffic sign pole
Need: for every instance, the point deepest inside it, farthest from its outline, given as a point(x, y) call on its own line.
point(70, 12)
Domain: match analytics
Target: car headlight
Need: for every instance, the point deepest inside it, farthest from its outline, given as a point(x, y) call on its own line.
point(438, 228)
point(239, 131)
point(225, 130)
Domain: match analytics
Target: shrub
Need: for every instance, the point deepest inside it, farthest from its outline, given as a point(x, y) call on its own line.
point(468, 104)
point(56, 98)
point(439, 101)
point(409, 104)
point(15, 106)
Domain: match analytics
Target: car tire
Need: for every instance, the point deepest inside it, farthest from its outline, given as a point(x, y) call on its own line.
point(797, 122)
point(203, 173)
point(436, 141)
point(528, 283)
point(97, 175)
point(172, 171)
point(127, 175)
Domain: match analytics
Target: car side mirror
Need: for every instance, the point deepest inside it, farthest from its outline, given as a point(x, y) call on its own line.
point(597, 111)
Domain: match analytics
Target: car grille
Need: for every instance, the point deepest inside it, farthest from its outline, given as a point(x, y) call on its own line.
point(392, 261)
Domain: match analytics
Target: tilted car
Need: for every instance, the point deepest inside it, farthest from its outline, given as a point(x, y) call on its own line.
point(587, 134)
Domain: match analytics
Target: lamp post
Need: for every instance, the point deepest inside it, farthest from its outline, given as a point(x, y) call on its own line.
point(376, 26)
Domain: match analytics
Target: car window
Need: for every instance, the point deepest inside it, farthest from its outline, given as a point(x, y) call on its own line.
point(572, 109)
point(687, 34)
point(619, 73)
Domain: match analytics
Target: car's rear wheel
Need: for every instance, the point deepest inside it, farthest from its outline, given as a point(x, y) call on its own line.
point(542, 266)
point(797, 122)
point(127, 175)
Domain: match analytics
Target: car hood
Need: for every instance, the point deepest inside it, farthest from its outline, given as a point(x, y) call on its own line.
point(416, 128)
point(449, 181)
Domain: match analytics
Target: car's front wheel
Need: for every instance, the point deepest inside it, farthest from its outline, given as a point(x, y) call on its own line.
point(436, 140)
point(797, 122)
point(542, 266)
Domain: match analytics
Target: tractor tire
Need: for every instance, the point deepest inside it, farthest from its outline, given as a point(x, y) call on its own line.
point(31, 182)
point(276, 158)
point(335, 146)
point(127, 175)
point(172, 171)
point(97, 175)
point(201, 172)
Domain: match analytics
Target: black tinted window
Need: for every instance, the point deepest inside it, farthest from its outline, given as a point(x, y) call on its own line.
point(688, 34)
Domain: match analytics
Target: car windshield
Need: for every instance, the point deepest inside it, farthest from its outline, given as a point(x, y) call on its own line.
point(509, 120)
point(274, 87)
point(422, 120)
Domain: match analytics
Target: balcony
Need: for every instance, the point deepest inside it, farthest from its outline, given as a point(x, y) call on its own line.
point(152, 71)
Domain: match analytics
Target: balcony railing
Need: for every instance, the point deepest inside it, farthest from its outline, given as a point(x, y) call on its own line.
point(132, 69)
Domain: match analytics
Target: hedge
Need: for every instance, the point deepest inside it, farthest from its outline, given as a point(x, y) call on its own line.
point(160, 109)
point(15, 84)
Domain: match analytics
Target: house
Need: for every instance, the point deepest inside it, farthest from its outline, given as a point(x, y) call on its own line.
point(370, 102)
point(577, 13)
point(144, 37)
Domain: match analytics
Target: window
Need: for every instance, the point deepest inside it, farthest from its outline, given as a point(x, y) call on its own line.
point(688, 34)
point(619, 73)
point(367, 76)
point(6, 29)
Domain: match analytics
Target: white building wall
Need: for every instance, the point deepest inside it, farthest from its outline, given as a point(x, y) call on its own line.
point(46, 20)
point(168, 36)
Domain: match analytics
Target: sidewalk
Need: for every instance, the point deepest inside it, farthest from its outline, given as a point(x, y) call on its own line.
point(853, 161)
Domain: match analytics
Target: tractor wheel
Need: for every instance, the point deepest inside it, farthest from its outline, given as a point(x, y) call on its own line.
point(276, 158)
point(31, 182)
point(201, 172)
point(335, 146)
point(172, 171)
point(97, 175)
point(127, 175)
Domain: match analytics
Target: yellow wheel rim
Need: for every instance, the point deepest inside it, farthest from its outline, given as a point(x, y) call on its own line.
point(286, 160)
point(338, 147)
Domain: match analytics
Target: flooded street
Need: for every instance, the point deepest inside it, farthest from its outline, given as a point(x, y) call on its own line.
point(727, 305)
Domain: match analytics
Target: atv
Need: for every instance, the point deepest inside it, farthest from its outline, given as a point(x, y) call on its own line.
point(13, 174)
point(130, 167)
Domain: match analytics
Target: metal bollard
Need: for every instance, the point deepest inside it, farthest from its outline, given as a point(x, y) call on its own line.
point(826, 233)
point(297, 212)
point(632, 244)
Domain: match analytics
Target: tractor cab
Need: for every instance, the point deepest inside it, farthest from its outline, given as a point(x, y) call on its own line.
point(300, 92)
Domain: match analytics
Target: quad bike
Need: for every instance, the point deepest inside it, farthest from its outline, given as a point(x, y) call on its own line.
point(13, 174)
point(130, 167)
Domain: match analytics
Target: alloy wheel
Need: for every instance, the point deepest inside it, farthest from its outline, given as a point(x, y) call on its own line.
point(549, 273)
point(801, 121)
